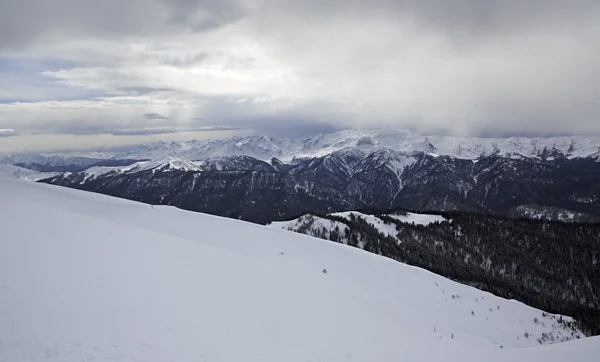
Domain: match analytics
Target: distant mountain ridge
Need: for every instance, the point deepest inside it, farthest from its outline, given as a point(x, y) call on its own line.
point(261, 178)
point(255, 190)
point(287, 149)
point(366, 141)
point(42, 163)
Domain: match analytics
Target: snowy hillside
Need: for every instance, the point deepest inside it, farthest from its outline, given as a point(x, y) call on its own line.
point(369, 141)
point(107, 279)
point(326, 229)
point(7, 170)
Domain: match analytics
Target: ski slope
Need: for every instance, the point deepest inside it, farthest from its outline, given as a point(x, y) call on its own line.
point(89, 277)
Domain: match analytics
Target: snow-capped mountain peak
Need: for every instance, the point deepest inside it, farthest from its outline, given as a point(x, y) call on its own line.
point(167, 163)
point(369, 141)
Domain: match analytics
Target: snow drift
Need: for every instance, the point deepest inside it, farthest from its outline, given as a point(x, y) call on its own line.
point(90, 277)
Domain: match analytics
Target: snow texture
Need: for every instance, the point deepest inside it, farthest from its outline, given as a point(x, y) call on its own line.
point(90, 277)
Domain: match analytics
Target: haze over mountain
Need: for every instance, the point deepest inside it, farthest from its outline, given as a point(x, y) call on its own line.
point(80, 74)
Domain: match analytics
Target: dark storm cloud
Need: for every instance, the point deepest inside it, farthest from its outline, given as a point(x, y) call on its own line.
point(154, 116)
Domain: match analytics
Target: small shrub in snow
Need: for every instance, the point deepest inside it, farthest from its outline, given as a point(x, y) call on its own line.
point(324, 271)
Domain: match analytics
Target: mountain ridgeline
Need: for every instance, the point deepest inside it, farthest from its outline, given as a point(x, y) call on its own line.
point(255, 190)
point(551, 265)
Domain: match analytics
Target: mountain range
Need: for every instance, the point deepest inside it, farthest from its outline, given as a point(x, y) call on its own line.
point(369, 141)
point(263, 178)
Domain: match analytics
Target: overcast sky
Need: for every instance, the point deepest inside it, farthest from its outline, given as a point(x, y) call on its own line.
point(79, 73)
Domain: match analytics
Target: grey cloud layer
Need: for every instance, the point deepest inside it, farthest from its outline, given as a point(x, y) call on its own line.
point(25, 20)
point(29, 21)
point(300, 66)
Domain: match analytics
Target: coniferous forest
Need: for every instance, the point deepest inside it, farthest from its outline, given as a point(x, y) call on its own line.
point(551, 265)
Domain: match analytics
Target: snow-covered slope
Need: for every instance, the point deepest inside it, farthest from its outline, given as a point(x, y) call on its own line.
point(162, 164)
point(106, 279)
point(386, 229)
point(171, 163)
point(417, 219)
point(322, 228)
point(7, 170)
point(369, 141)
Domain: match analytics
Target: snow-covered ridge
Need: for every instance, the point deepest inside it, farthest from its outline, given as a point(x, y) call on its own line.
point(393, 146)
point(101, 278)
point(168, 162)
point(12, 171)
point(369, 141)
